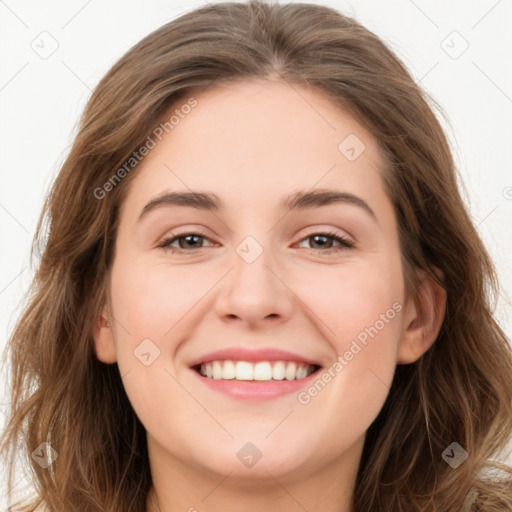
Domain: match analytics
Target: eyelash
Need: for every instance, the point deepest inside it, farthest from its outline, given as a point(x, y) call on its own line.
point(345, 243)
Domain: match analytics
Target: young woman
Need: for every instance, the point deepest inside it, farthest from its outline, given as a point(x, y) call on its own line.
point(261, 289)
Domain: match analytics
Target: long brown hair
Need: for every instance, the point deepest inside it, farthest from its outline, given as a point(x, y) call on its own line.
point(458, 391)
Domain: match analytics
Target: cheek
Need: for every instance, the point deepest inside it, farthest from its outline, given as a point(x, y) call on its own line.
point(150, 304)
point(360, 306)
point(351, 298)
point(151, 299)
point(363, 315)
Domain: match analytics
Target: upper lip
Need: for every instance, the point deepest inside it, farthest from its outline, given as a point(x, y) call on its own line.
point(244, 354)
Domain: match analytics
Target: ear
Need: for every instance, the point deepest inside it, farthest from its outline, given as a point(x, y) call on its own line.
point(424, 314)
point(103, 338)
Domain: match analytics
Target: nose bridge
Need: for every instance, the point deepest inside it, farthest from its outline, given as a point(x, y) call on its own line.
point(252, 290)
point(252, 277)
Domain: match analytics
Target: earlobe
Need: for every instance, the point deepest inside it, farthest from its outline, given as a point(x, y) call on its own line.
point(104, 339)
point(423, 317)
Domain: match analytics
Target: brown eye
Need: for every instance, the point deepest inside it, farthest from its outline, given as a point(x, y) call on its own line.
point(187, 242)
point(325, 241)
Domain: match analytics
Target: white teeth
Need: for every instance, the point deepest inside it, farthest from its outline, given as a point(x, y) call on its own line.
point(229, 370)
point(263, 370)
point(301, 372)
point(278, 371)
point(244, 371)
point(291, 371)
point(217, 370)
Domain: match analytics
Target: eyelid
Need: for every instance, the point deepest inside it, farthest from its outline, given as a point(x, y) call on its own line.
point(331, 231)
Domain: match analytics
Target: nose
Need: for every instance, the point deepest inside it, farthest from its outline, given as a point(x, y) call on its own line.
point(255, 292)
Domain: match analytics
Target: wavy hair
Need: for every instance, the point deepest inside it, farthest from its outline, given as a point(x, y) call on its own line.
point(459, 390)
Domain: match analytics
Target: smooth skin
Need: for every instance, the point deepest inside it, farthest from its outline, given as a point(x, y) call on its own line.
point(252, 143)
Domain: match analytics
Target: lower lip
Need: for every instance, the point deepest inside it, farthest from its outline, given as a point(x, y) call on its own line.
point(256, 389)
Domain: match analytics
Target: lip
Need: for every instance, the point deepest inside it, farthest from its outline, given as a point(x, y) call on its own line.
point(252, 356)
point(254, 390)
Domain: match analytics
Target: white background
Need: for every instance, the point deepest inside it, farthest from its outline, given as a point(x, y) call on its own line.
point(41, 99)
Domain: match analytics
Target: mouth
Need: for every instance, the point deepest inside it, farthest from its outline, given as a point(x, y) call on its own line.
point(267, 373)
point(260, 371)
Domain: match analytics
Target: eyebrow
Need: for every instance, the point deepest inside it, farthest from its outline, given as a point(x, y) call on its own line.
point(299, 200)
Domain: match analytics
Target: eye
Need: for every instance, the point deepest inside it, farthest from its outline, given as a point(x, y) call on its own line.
point(190, 241)
point(322, 239)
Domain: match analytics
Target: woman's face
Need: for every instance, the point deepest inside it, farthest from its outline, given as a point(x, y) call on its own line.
point(264, 282)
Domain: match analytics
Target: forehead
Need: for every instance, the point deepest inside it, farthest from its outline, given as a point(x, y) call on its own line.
point(254, 140)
